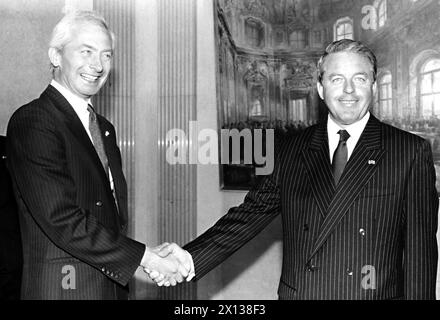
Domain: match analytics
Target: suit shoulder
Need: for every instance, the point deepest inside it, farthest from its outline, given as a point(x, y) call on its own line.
point(392, 133)
point(297, 142)
point(36, 108)
point(300, 138)
point(33, 114)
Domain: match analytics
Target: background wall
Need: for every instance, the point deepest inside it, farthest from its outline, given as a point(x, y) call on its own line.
point(24, 66)
point(253, 271)
point(167, 63)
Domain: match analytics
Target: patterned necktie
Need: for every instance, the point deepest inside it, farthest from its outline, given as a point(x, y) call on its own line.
point(340, 156)
point(95, 132)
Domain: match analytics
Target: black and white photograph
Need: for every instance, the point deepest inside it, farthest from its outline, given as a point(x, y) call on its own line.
point(219, 150)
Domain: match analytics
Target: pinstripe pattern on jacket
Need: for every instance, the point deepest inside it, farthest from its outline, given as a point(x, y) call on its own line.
point(371, 237)
point(67, 212)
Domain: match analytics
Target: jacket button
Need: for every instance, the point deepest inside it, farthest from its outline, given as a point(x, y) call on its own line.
point(99, 203)
point(349, 272)
point(311, 267)
point(4, 157)
point(362, 232)
point(103, 269)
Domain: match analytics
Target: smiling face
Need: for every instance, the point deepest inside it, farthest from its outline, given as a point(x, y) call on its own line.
point(84, 63)
point(347, 86)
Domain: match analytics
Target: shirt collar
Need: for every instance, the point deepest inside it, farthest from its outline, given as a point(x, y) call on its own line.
point(355, 129)
point(79, 104)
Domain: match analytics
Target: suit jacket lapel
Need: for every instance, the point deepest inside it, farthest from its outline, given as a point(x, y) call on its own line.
point(360, 168)
point(317, 162)
point(76, 127)
point(115, 167)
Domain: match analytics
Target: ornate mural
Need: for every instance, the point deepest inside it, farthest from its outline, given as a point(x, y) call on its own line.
point(267, 55)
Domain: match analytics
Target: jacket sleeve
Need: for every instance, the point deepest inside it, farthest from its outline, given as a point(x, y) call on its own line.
point(38, 165)
point(421, 206)
point(261, 205)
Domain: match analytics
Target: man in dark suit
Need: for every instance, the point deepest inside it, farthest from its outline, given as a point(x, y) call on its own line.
point(11, 256)
point(67, 176)
point(357, 199)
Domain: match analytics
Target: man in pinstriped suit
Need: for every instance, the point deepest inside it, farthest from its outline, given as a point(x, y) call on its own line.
point(357, 199)
point(68, 181)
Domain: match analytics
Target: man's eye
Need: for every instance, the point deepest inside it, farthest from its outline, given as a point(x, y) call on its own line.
point(108, 56)
point(86, 52)
point(360, 79)
point(336, 80)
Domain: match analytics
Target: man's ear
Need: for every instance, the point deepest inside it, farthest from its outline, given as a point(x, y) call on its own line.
point(55, 57)
point(374, 88)
point(320, 90)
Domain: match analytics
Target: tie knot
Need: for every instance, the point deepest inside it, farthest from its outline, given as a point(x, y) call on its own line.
point(90, 108)
point(343, 135)
point(92, 114)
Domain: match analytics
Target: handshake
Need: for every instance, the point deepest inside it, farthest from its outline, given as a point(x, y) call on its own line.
point(168, 264)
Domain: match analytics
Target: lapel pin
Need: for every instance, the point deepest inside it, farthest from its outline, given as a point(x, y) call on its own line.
point(371, 162)
point(107, 133)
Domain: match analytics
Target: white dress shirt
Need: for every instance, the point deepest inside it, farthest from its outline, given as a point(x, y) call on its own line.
point(355, 130)
point(80, 106)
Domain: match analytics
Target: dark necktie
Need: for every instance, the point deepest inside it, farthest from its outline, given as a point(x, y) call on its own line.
point(340, 156)
point(95, 132)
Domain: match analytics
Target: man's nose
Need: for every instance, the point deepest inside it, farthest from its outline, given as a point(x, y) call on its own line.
point(348, 86)
point(96, 64)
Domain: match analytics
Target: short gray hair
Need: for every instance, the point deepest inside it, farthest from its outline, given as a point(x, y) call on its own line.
point(62, 33)
point(347, 45)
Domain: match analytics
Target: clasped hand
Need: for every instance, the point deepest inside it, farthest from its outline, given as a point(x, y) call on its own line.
point(168, 264)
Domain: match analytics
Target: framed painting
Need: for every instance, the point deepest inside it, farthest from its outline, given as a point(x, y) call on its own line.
point(267, 51)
